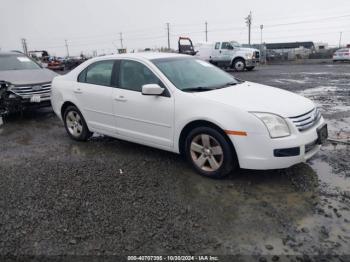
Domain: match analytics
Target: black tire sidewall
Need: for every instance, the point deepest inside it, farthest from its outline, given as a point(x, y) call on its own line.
point(85, 134)
point(229, 160)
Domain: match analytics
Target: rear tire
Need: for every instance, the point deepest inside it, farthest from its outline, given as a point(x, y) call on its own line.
point(209, 152)
point(239, 64)
point(75, 124)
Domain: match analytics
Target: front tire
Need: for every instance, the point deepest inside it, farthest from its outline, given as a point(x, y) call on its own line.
point(75, 124)
point(239, 65)
point(209, 152)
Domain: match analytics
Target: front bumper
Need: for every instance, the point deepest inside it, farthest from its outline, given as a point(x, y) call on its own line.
point(251, 62)
point(256, 151)
point(12, 104)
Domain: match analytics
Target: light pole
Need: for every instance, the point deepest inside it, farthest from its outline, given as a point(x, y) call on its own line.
point(261, 38)
point(168, 30)
point(341, 34)
point(66, 43)
point(248, 20)
point(121, 40)
point(206, 31)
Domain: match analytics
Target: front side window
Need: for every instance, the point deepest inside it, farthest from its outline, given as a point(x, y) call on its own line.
point(99, 73)
point(226, 45)
point(133, 75)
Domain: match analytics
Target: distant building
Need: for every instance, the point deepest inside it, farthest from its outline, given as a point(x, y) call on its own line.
point(321, 47)
point(289, 51)
point(122, 51)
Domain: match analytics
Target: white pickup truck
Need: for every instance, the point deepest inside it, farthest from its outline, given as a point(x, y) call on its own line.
point(228, 54)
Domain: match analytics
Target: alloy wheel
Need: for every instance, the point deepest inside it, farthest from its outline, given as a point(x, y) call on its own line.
point(206, 153)
point(74, 123)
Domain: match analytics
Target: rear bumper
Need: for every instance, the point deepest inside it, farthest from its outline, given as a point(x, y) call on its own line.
point(341, 59)
point(259, 151)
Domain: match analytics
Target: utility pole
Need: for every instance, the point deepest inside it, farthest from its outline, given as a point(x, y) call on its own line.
point(248, 20)
point(168, 29)
point(121, 39)
point(24, 46)
point(341, 34)
point(206, 31)
point(67, 48)
point(261, 39)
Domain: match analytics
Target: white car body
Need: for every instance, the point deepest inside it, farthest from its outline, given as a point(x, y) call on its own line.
point(158, 121)
point(342, 55)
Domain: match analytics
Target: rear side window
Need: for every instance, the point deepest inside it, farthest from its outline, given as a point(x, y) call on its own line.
point(217, 45)
point(133, 75)
point(99, 73)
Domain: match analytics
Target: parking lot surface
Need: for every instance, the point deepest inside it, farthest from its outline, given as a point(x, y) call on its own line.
point(106, 196)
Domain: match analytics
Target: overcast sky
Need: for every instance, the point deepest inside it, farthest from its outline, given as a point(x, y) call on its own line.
point(95, 24)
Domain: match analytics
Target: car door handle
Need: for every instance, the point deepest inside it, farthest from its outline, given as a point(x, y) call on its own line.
point(120, 99)
point(78, 91)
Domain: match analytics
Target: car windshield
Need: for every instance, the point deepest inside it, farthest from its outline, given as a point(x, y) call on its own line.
point(189, 74)
point(16, 62)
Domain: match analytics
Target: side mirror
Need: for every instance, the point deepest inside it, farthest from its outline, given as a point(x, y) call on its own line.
point(152, 90)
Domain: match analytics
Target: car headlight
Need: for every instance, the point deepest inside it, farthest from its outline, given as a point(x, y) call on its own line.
point(6, 85)
point(248, 56)
point(275, 124)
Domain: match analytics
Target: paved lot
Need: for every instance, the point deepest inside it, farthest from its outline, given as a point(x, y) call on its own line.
point(105, 196)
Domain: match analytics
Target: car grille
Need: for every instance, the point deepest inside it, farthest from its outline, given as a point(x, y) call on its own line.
point(257, 55)
point(307, 120)
point(26, 92)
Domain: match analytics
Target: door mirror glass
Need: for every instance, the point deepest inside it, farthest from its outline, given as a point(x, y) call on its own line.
point(152, 90)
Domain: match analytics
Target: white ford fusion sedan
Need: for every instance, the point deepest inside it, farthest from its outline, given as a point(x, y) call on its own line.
point(184, 105)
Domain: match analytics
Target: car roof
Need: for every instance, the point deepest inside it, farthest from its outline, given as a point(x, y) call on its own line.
point(146, 55)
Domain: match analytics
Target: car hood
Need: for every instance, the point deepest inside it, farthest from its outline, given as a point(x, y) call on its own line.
point(254, 97)
point(27, 77)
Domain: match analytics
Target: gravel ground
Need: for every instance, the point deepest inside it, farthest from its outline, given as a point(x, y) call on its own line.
point(108, 197)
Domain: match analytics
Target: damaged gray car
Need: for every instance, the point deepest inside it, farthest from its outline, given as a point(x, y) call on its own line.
point(23, 83)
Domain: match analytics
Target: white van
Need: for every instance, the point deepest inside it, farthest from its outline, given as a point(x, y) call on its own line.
point(228, 54)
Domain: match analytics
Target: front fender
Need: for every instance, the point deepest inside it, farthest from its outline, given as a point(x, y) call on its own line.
point(227, 118)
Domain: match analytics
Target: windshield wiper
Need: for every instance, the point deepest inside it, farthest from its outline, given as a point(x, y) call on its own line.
point(227, 85)
point(197, 89)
